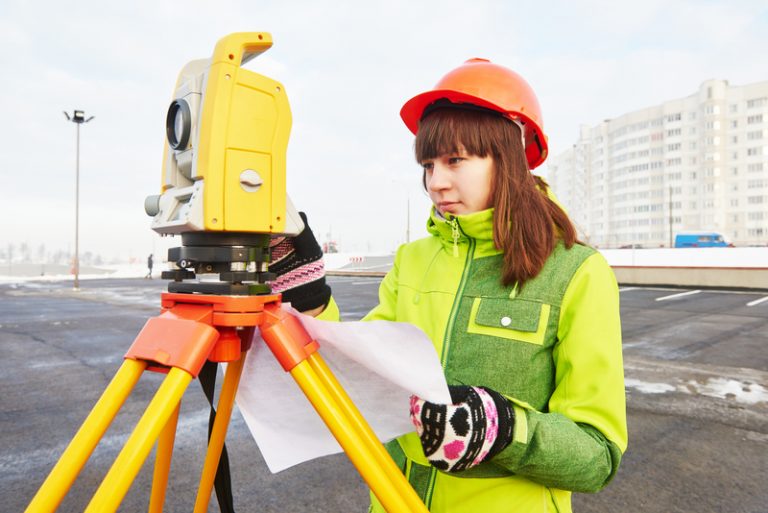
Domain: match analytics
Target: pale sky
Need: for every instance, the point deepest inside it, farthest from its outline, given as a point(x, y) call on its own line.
point(347, 66)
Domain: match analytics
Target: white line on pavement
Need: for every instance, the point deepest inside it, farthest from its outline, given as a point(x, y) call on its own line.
point(627, 288)
point(758, 301)
point(674, 296)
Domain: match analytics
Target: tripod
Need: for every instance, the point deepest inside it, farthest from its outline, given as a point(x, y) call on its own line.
point(192, 329)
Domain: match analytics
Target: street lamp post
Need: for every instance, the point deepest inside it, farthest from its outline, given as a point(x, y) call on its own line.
point(78, 117)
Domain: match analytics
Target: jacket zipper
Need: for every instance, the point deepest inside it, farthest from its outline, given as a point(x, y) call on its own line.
point(456, 234)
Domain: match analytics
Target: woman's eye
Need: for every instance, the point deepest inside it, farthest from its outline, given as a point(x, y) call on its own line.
point(454, 160)
point(427, 166)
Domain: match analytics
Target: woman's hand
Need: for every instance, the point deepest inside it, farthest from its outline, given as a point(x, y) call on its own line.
point(298, 263)
point(476, 427)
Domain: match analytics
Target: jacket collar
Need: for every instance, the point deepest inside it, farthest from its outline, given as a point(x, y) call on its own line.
point(477, 226)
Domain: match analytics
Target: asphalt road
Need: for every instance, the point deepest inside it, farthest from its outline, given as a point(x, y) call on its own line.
point(696, 368)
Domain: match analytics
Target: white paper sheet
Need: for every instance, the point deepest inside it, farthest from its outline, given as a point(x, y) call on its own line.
point(380, 364)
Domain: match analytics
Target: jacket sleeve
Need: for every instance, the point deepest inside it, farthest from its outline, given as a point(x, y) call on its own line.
point(386, 310)
point(577, 445)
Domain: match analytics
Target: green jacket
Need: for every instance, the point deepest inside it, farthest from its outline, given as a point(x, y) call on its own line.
point(553, 348)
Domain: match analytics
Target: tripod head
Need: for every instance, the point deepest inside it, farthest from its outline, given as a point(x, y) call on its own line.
point(223, 184)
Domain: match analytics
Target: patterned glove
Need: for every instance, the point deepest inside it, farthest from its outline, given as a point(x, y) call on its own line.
point(298, 263)
point(475, 428)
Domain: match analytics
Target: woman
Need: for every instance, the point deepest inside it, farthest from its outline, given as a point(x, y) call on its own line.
point(524, 317)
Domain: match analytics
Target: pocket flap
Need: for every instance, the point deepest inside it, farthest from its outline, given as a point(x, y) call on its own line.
point(512, 314)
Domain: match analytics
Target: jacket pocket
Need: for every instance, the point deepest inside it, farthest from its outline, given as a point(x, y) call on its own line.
point(512, 319)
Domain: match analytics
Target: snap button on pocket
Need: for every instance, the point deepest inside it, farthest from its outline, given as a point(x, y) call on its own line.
point(506, 321)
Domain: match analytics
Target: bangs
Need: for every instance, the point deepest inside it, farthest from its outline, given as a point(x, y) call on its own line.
point(448, 130)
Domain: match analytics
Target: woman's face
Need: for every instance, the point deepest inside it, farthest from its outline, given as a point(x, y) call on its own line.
point(459, 183)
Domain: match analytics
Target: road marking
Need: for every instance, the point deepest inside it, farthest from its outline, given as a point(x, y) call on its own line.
point(369, 282)
point(627, 288)
point(674, 296)
point(757, 301)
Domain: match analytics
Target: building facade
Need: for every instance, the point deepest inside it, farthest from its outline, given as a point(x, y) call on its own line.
point(699, 163)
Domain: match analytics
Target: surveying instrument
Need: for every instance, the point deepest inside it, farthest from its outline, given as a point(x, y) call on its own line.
point(224, 192)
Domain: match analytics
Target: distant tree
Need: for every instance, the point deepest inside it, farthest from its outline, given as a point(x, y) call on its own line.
point(24, 252)
point(41, 253)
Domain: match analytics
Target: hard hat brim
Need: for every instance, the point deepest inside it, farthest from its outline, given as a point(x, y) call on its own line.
point(413, 109)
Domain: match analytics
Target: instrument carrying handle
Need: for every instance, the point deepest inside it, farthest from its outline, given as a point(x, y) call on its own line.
point(240, 47)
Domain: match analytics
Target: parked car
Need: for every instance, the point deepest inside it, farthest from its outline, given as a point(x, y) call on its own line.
point(700, 240)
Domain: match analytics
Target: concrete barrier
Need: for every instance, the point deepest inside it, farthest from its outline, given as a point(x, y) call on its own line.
point(714, 277)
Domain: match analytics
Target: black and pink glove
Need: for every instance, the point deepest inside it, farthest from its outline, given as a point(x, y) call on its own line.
point(475, 428)
point(298, 263)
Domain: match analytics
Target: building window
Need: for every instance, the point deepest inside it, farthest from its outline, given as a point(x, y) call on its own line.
point(753, 151)
point(756, 102)
point(757, 134)
point(757, 118)
point(755, 200)
point(755, 168)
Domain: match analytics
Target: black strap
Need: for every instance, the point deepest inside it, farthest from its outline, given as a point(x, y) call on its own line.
point(222, 481)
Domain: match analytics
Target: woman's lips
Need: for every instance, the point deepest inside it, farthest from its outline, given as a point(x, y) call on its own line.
point(447, 206)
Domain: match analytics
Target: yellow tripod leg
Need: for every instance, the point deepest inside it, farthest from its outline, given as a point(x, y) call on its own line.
point(383, 459)
point(64, 473)
point(350, 440)
point(218, 433)
point(123, 471)
point(163, 462)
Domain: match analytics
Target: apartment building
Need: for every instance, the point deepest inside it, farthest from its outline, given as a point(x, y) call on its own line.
point(692, 164)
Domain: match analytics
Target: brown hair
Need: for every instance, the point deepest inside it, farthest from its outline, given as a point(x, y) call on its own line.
point(527, 223)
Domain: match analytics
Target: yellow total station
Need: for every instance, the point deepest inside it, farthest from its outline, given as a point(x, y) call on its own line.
point(227, 134)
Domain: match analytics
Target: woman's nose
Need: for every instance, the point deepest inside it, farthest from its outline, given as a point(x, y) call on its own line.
point(438, 180)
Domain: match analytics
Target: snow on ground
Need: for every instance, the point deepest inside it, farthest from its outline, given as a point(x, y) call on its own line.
point(61, 273)
point(744, 392)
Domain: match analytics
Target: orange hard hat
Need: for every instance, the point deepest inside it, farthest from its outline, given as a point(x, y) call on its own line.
point(485, 84)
